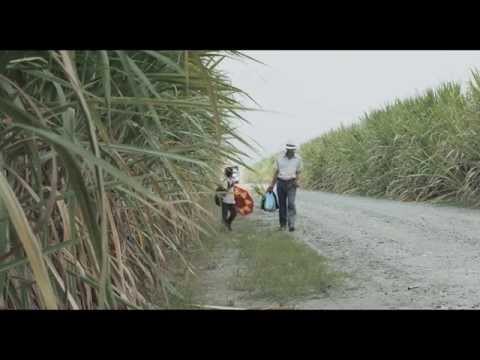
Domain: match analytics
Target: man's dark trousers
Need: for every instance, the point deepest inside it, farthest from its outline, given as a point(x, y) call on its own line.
point(287, 190)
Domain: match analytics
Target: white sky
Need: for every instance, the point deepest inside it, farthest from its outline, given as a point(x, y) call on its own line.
point(306, 93)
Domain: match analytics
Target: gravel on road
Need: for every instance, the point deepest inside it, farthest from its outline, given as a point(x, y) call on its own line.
point(398, 255)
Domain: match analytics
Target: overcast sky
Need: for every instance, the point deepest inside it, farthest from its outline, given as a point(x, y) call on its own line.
point(306, 93)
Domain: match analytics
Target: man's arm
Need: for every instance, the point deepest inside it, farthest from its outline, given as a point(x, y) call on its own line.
point(298, 172)
point(297, 179)
point(274, 181)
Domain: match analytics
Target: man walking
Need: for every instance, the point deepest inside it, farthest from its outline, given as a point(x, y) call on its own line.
point(287, 174)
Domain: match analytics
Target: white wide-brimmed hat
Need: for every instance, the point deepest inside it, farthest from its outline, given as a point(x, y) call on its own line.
point(291, 146)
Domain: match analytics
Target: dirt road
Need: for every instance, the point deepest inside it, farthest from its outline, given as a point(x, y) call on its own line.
point(399, 255)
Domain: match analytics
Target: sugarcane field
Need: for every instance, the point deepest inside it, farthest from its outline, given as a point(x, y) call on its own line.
point(239, 180)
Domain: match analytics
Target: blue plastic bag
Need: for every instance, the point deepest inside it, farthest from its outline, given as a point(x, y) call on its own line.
point(270, 202)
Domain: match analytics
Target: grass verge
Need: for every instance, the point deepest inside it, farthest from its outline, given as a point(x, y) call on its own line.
point(269, 265)
point(277, 266)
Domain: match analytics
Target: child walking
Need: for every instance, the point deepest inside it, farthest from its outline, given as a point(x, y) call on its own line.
point(229, 212)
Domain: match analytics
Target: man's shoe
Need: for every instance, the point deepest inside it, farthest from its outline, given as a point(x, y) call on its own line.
point(292, 229)
point(282, 228)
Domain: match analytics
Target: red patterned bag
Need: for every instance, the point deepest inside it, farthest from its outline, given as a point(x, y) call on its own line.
point(243, 200)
